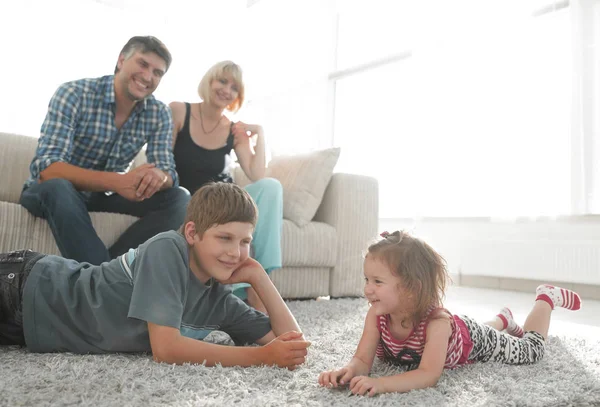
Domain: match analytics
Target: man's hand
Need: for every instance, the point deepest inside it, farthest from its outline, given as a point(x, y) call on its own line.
point(130, 182)
point(152, 182)
point(287, 350)
point(245, 272)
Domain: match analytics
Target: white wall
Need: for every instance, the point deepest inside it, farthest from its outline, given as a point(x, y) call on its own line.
point(564, 249)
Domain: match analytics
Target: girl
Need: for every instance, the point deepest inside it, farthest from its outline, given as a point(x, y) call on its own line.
point(405, 281)
point(203, 138)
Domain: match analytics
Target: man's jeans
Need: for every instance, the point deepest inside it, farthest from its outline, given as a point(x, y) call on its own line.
point(67, 212)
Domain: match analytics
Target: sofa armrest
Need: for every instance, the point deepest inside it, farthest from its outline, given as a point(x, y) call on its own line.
point(351, 205)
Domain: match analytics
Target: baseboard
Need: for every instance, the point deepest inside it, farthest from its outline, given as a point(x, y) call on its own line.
point(586, 291)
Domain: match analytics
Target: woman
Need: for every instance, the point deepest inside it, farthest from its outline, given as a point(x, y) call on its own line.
point(203, 138)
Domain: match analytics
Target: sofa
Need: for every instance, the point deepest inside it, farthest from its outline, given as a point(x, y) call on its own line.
point(320, 258)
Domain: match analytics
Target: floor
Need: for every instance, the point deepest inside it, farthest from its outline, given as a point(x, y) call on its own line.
point(484, 303)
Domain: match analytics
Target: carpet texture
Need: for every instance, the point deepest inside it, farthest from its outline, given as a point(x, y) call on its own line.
point(568, 376)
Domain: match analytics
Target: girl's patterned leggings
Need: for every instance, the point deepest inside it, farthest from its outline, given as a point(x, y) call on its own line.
point(490, 344)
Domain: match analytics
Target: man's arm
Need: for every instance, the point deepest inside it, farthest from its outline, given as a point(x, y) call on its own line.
point(169, 346)
point(125, 185)
point(55, 145)
point(160, 148)
point(160, 153)
point(82, 178)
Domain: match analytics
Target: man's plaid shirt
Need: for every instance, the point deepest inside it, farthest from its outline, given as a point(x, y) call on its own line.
point(79, 129)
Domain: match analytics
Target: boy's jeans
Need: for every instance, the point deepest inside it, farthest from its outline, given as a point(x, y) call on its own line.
point(67, 211)
point(14, 270)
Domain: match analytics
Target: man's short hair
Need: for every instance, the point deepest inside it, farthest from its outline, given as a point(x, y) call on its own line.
point(145, 44)
point(218, 203)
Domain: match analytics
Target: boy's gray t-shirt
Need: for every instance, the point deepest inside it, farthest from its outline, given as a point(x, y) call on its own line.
point(81, 308)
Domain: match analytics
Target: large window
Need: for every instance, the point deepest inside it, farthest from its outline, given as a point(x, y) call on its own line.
point(466, 114)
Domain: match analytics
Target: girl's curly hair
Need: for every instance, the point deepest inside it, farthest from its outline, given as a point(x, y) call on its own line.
point(422, 270)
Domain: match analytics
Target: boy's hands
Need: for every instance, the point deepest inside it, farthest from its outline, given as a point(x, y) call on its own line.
point(245, 272)
point(287, 350)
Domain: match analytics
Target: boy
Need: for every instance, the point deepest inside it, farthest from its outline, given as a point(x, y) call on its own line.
point(161, 297)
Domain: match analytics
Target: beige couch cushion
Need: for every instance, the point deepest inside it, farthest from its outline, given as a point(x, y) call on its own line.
point(312, 245)
point(109, 227)
point(16, 227)
point(15, 156)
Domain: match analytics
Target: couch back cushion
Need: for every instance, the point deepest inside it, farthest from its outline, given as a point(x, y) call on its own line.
point(16, 154)
point(304, 178)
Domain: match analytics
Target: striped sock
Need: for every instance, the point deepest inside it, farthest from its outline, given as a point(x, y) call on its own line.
point(512, 328)
point(558, 297)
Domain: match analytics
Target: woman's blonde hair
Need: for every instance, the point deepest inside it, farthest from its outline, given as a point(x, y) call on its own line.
point(422, 270)
point(217, 71)
point(218, 203)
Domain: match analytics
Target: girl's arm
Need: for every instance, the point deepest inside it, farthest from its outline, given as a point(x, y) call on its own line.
point(254, 162)
point(426, 375)
point(362, 361)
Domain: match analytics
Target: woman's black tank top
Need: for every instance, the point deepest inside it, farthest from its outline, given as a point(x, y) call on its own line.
point(197, 165)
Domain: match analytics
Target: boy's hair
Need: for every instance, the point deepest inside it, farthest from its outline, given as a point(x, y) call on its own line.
point(422, 270)
point(218, 203)
point(145, 44)
point(217, 71)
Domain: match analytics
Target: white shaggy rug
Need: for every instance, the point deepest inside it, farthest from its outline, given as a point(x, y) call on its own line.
point(568, 376)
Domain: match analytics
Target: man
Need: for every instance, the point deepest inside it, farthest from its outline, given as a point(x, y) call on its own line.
point(93, 130)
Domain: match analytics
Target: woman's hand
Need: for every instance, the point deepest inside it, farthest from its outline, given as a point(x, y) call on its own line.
point(243, 132)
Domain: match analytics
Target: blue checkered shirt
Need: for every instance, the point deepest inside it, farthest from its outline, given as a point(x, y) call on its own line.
point(79, 129)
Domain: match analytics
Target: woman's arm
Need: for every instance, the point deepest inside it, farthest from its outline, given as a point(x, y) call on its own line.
point(178, 113)
point(426, 375)
point(252, 162)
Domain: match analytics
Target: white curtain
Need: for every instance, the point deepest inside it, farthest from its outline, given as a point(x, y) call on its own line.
point(46, 43)
point(585, 109)
point(289, 52)
point(476, 122)
point(492, 110)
